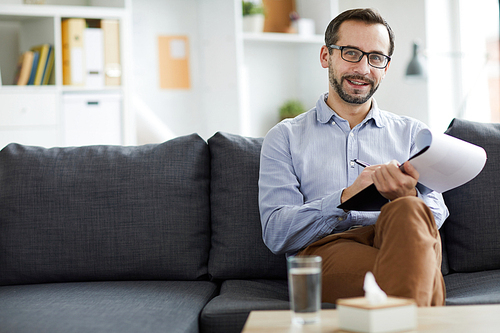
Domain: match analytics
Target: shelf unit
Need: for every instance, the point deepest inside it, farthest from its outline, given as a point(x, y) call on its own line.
point(274, 37)
point(35, 115)
point(277, 67)
point(246, 77)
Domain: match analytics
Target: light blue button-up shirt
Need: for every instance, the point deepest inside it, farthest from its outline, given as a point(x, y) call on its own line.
point(307, 162)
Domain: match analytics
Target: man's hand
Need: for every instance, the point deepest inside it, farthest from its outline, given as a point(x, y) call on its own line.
point(393, 183)
point(390, 181)
point(364, 180)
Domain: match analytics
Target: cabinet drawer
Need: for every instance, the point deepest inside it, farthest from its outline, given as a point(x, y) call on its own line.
point(28, 109)
point(91, 119)
point(43, 137)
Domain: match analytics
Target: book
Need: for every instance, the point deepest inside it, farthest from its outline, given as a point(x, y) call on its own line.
point(73, 51)
point(359, 315)
point(34, 66)
point(49, 65)
point(23, 70)
point(112, 64)
point(43, 50)
point(443, 162)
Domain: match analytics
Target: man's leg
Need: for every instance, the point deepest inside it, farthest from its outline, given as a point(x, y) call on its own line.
point(347, 256)
point(403, 250)
point(408, 263)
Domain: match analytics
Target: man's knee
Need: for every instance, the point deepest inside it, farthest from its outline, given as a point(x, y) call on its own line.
point(407, 203)
point(406, 215)
point(405, 208)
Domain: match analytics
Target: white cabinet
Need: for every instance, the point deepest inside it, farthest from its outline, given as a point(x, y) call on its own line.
point(22, 108)
point(29, 116)
point(91, 119)
point(35, 114)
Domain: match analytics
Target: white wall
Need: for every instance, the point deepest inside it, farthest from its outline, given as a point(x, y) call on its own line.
point(407, 20)
point(179, 109)
point(214, 103)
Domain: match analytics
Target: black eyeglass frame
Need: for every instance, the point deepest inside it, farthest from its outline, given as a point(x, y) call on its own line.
point(341, 48)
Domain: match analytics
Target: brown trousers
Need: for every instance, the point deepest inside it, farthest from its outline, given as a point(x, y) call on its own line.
point(402, 250)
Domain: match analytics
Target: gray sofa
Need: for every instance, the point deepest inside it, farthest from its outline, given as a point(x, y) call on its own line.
point(167, 237)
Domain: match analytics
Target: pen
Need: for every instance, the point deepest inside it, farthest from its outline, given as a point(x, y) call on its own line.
point(362, 163)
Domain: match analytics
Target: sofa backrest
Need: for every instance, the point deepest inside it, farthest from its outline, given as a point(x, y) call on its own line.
point(238, 250)
point(472, 231)
point(105, 212)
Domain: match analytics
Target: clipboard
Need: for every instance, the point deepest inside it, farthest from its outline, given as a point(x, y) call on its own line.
point(368, 199)
point(444, 162)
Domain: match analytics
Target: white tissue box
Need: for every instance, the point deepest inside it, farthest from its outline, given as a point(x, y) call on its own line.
point(358, 315)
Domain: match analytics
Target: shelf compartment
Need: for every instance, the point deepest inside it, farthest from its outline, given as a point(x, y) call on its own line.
point(274, 37)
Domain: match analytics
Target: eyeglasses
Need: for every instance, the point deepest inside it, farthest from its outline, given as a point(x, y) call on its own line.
point(352, 54)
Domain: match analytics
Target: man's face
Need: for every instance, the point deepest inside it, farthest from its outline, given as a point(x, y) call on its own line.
point(355, 83)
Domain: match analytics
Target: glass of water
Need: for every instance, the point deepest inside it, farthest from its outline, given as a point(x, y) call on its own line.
point(304, 287)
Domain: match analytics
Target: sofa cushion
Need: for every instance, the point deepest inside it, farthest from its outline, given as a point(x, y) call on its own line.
point(228, 311)
point(105, 212)
point(473, 227)
point(445, 269)
point(111, 307)
point(473, 288)
point(238, 250)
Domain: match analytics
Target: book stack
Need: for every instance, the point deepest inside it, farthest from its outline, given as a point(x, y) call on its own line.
point(91, 52)
point(35, 67)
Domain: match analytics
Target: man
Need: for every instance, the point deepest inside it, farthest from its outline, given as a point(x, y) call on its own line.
point(307, 170)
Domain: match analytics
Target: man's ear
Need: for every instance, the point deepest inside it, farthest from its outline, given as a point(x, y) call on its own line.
point(324, 56)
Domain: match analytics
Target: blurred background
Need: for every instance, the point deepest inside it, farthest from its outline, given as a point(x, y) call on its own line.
point(458, 47)
point(186, 66)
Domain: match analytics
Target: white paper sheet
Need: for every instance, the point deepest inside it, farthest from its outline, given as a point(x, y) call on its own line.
point(448, 162)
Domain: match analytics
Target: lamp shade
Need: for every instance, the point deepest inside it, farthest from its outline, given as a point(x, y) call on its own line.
point(416, 67)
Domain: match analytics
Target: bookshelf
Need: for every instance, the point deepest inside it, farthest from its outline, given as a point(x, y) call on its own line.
point(257, 72)
point(39, 114)
point(277, 67)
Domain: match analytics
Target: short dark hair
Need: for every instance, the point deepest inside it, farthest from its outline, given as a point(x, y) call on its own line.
point(367, 15)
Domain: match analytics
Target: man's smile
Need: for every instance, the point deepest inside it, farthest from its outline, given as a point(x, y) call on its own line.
point(358, 82)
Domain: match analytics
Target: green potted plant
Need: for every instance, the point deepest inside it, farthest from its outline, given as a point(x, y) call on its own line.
point(291, 109)
point(253, 16)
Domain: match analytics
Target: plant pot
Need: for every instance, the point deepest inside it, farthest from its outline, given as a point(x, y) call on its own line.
point(253, 23)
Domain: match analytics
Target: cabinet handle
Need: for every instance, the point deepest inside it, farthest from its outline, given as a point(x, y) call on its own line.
point(92, 103)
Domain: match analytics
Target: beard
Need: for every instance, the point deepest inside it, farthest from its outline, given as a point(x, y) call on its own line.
point(356, 98)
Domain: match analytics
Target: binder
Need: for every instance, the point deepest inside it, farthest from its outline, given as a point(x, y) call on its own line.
point(72, 31)
point(43, 50)
point(112, 64)
point(94, 57)
point(23, 71)
point(36, 56)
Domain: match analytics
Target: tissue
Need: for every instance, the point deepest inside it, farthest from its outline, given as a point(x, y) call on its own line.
point(373, 293)
point(376, 312)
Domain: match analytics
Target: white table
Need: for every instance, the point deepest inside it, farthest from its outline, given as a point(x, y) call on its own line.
point(453, 319)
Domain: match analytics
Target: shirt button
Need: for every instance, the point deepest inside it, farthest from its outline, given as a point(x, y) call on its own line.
point(351, 134)
point(341, 218)
point(352, 164)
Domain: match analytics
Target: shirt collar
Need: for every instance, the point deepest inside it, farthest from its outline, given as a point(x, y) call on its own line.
point(325, 113)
